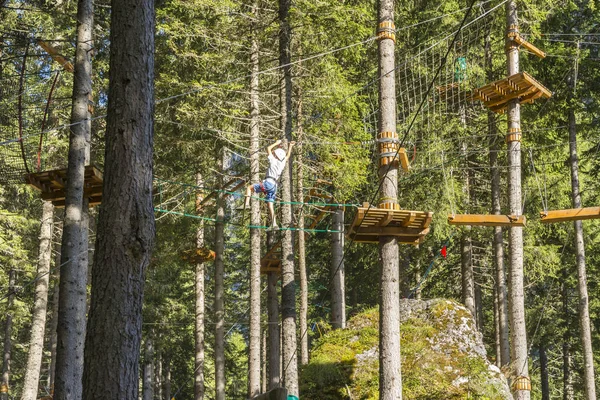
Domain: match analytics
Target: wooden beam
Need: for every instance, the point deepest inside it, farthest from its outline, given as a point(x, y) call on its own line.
point(573, 214)
point(529, 46)
point(393, 231)
point(486, 220)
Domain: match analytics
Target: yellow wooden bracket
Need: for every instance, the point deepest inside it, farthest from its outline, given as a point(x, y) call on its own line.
point(386, 30)
point(516, 40)
point(56, 56)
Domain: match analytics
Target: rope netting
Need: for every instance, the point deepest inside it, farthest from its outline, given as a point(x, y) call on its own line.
point(448, 118)
point(33, 99)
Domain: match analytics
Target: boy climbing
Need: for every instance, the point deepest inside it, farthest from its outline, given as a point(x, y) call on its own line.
point(277, 158)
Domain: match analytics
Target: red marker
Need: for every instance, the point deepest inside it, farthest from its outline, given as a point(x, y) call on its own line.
point(444, 252)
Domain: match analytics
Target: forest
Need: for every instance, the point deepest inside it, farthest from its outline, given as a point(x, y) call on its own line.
point(432, 167)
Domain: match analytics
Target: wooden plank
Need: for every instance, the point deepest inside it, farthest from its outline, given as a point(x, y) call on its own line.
point(573, 214)
point(486, 220)
point(393, 231)
point(529, 46)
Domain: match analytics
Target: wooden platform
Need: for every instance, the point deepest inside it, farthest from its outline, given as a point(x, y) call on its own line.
point(53, 184)
point(200, 255)
point(572, 214)
point(486, 220)
point(522, 86)
point(410, 227)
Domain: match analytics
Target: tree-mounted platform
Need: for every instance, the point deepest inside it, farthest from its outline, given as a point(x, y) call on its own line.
point(410, 227)
point(487, 220)
point(200, 255)
point(522, 86)
point(572, 214)
point(53, 185)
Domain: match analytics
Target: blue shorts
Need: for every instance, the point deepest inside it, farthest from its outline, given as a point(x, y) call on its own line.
point(268, 187)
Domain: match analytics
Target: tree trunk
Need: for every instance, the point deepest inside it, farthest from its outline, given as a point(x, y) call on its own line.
point(468, 279)
point(390, 377)
point(302, 238)
point(584, 313)
point(125, 239)
point(254, 340)
point(72, 307)
point(5, 383)
point(263, 363)
point(503, 355)
point(148, 384)
point(199, 320)
point(219, 305)
point(53, 329)
point(288, 284)
point(273, 327)
point(158, 375)
point(338, 292)
point(497, 331)
point(568, 393)
point(40, 307)
point(518, 333)
point(167, 380)
point(544, 373)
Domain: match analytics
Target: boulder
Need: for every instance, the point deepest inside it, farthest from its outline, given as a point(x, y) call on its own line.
point(443, 357)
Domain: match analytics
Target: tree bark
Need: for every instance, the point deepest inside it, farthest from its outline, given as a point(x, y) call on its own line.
point(497, 331)
point(468, 279)
point(167, 380)
point(301, 237)
point(288, 283)
point(125, 239)
point(40, 307)
point(544, 373)
point(255, 246)
point(219, 304)
point(584, 313)
point(273, 327)
point(53, 329)
point(74, 249)
point(390, 377)
point(568, 393)
point(338, 273)
point(199, 320)
point(148, 384)
point(501, 299)
point(263, 363)
point(7, 348)
point(518, 333)
point(158, 374)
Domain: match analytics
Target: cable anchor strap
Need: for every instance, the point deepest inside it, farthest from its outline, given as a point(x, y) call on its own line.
point(513, 34)
point(386, 30)
point(521, 383)
point(513, 135)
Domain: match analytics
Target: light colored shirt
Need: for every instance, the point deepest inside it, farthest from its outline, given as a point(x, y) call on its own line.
point(275, 167)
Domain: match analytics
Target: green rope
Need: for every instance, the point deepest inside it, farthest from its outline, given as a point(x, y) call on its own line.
point(182, 214)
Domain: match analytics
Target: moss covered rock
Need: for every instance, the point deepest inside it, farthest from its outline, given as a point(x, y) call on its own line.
point(443, 357)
